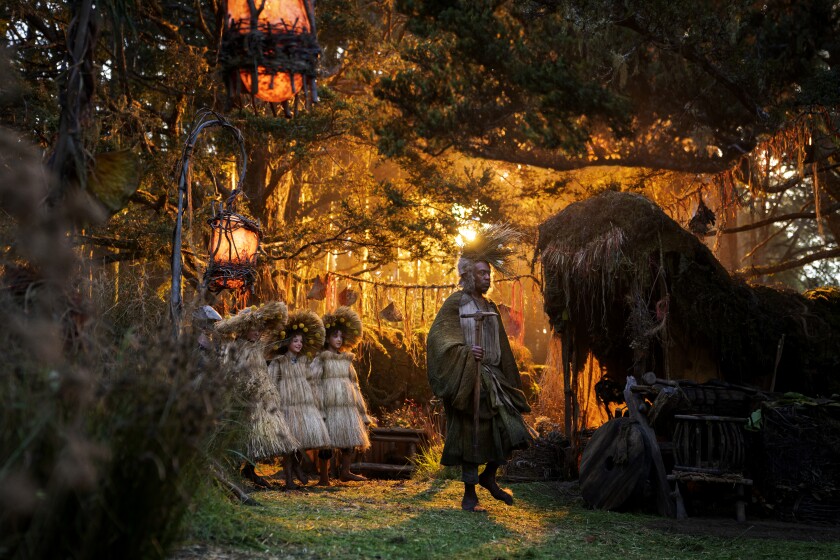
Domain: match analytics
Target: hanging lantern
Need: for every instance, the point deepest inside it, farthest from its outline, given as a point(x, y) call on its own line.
point(234, 242)
point(269, 50)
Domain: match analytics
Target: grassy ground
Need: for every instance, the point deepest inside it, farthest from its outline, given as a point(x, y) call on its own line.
point(413, 519)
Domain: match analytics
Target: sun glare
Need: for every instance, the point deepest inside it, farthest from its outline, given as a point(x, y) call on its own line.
point(465, 235)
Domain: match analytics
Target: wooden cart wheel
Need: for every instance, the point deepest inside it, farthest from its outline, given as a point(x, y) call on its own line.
point(615, 464)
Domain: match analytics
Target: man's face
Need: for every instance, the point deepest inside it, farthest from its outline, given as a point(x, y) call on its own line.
point(481, 274)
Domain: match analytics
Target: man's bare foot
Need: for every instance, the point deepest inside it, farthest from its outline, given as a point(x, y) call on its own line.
point(492, 486)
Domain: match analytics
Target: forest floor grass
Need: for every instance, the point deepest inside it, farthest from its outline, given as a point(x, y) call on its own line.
point(422, 519)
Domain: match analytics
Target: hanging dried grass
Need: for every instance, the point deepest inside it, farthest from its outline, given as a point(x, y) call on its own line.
point(591, 270)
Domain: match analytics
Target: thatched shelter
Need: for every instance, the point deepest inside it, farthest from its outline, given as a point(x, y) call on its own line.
point(627, 285)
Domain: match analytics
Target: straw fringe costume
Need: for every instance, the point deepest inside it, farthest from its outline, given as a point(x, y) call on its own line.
point(267, 434)
point(343, 406)
point(298, 401)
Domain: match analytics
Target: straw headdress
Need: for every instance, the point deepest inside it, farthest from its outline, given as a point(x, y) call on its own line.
point(266, 319)
point(494, 245)
point(308, 324)
point(348, 322)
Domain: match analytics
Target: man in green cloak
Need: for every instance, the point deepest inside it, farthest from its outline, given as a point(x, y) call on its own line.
point(455, 358)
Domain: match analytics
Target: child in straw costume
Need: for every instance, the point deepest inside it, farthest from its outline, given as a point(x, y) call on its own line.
point(342, 405)
point(303, 336)
point(267, 434)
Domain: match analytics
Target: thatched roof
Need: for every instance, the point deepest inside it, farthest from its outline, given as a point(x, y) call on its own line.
point(629, 281)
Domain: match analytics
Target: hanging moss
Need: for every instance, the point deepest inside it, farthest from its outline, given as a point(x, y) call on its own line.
point(392, 368)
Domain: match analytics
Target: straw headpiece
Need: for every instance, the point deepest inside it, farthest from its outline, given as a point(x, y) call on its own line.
point(308, 324)
point(266, 319)
point(494, 245)
point(348, 322)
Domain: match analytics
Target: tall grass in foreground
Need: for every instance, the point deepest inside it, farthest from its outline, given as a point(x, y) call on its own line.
point(427, 464)
point(104, 432)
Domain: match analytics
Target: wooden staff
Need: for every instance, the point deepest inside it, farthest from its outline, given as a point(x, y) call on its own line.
point(479, 320)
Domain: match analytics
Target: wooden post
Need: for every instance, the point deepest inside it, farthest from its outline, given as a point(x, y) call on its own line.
point(565, 338)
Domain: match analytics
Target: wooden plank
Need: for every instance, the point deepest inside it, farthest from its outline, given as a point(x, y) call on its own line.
point(397, 431)
point(395, 439)
point(709, 417)
point(725, 478)
point(664, 501)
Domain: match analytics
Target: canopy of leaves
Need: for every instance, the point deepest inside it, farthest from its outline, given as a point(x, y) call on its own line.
point(507, 109)
point(565, 84)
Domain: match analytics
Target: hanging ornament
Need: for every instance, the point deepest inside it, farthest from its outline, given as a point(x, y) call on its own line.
point(391, 313)
point(347, 296)
point(318, 290)
point(269, 50)
point(234, 242)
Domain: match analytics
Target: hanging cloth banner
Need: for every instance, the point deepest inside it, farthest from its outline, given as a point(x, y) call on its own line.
point(391, 313)
point(347, 296)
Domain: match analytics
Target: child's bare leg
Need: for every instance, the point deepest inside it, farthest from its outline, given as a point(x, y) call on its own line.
point(298, 469)
point(347, 456)
point(288, 469)
point(249, 473)
point(324, 467)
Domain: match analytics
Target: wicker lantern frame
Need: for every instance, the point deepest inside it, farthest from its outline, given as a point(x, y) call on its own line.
point(259, 47)
point(242, 270)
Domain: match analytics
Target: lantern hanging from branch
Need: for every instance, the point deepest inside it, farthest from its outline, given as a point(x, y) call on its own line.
point(269, 50)
point(234, 242)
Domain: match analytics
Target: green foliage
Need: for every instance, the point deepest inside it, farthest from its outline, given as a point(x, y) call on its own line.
point(427, 464)
point(106, 427)
point(536, 81)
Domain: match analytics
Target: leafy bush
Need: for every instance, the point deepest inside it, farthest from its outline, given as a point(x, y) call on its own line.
point(105, 429)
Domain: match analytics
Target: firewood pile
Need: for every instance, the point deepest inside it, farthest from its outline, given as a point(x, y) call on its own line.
point(548, 458)
point(801, 455)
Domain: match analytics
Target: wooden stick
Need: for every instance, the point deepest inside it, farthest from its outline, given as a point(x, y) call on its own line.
point(779, 349)
point(477, 387)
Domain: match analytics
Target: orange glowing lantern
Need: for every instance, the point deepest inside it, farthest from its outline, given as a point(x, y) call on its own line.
point(269, 50)
point(234, 242)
